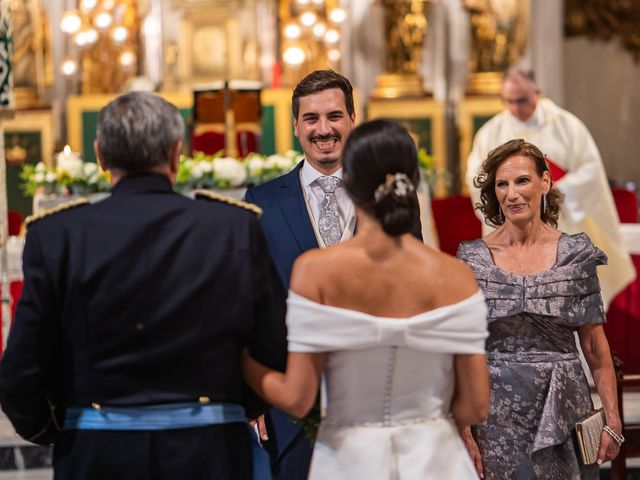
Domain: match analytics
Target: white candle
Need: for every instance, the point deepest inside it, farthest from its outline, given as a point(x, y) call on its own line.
point(69, 162)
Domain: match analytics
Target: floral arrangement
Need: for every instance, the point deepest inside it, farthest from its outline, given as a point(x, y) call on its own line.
point(70, 175)
point(217, 171)
point(73, 176)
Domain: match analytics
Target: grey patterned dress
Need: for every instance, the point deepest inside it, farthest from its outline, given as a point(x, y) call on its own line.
point(538, 387)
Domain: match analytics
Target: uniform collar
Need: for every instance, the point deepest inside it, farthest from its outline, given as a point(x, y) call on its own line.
point(143, 182)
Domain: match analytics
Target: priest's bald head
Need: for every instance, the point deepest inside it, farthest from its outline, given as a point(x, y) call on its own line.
point(520, 93)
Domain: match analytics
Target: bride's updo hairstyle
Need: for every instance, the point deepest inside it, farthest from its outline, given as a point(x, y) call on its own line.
point(381, 174)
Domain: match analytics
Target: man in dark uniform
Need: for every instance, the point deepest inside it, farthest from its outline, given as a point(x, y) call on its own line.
point(125, 350)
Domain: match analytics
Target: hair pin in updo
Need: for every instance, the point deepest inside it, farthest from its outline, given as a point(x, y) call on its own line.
point(397, 183)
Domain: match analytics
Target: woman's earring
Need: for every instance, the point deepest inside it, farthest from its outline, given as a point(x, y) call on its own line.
point(544, 205)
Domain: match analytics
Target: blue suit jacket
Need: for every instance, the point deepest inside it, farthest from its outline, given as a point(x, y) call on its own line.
point(285, 220)
point(287, 227)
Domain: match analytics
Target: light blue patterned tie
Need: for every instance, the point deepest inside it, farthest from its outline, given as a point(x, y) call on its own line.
point(329, 221)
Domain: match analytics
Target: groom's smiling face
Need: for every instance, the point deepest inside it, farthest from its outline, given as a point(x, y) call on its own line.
point(322, 127)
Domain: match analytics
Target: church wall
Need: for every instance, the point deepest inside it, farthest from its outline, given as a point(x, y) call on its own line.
point(601, 87)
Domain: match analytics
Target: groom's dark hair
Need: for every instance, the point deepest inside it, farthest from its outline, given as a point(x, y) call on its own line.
point(319, 81)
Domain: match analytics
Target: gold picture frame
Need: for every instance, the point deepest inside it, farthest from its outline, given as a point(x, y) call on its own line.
point(28, 139)
point(33, 121)
point(473, 112)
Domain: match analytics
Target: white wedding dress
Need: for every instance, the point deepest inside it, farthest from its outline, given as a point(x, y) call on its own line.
point(389, 386)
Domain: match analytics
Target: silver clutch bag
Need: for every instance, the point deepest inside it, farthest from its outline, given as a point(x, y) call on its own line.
point(588, 431)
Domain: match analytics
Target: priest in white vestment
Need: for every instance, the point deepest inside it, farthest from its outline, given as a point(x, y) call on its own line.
point(576, 168)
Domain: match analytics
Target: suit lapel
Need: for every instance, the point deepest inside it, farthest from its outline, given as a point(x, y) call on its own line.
point(294, 210)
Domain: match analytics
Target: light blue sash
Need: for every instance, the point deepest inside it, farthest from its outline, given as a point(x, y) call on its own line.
point(153, 417)
point(168, 417)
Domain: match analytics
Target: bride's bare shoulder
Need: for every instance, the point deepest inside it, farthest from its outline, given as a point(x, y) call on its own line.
point(311, 269)
point(452, 274)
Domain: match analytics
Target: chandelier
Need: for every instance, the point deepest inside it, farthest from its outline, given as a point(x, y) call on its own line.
point(310, 36)
point(101, 44)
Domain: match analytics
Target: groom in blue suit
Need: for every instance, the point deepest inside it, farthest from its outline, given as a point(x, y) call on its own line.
point(293, 207)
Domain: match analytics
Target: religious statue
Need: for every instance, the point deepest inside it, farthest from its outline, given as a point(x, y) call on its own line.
point(405, 27)
point(499, 38)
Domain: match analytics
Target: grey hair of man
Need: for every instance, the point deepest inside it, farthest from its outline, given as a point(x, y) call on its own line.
point(137, 132)
point(519, 72)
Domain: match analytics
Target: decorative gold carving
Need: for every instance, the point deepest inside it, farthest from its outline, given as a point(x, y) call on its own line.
point(32, 66)
point(499, 31)
point(605, 19)
point(405, 26)
point(393, 85)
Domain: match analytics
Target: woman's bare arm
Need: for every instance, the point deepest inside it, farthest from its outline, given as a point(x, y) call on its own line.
point(470, 404)
point(596, 351)
point(294, 391)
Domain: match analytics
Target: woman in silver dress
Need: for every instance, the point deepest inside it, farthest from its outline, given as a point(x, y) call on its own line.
point(540, 286)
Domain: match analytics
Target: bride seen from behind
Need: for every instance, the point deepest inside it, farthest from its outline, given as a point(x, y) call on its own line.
point(397, 328)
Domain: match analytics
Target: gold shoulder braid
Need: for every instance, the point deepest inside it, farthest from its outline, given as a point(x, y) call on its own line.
point(208, 194)
point(50, 211)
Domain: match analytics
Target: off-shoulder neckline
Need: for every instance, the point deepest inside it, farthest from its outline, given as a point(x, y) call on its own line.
point(527, 275)
point(474, 297)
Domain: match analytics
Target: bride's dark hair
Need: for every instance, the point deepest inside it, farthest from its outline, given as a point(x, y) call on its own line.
point(380, 163)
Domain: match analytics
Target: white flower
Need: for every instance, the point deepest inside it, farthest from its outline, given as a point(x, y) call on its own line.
point(280, 162)
point(39, 177)
point(294, 156)
point(255, 164)
point(90, 169)
point(206, 166)
point(197, 171)
point(50, 177)
point(70, 165)
point(230, 170)
point(41, 167)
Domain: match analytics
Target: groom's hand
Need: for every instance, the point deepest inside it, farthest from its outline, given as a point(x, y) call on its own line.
point(261, 428)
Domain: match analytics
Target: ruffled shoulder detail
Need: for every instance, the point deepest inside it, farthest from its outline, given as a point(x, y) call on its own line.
point(457, 328)
point(578, 249)
point(569, 291)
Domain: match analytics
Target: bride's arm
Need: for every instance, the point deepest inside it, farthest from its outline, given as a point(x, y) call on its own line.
point(470, 403)
point(294, 391)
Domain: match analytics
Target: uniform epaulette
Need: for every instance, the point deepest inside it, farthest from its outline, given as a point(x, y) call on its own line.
point(50, 211)
point(208, 194)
